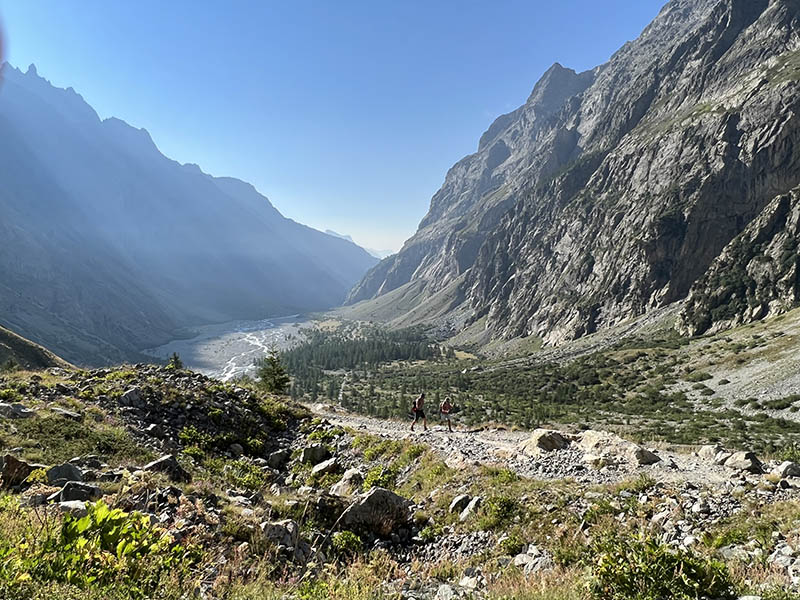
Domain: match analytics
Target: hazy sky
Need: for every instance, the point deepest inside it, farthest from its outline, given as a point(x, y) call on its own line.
point(346, 114)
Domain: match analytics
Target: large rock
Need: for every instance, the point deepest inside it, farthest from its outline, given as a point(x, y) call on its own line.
point(378, 512)
point(278, 459)
point(349, 483)
point(76, 491)
point(169, 465)
point(710, 452)
point(314, 454)
point(16, 471)
point(60, 474)
point(326, 466)
point(607, 448)
point(459, 503)
point(76, 508)
point(787, 469)
point(470, 509)
point(284, 533)
point(132, 397)
point(15, 411)
point(543, 440)
point(744, 461)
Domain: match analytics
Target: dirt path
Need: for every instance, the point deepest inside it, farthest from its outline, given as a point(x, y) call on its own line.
point(499, 447)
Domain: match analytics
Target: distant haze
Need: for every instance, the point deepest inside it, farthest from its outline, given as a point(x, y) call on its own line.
point(346, 114)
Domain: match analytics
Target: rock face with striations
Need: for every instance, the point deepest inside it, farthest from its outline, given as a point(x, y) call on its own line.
point(613, 191)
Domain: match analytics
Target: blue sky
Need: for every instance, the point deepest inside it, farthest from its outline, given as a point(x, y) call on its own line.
point(346, 114)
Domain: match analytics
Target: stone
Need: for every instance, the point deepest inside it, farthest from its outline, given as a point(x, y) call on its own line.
point(543, 440)
point(349, 483)
point(279, 459)
point(60, 474)
point(15, 471)
point(459, 503)
point(283, 533)
point(169, 465)
point(722, 456)
point(744, 461)
point(470, 509)
point(611, 448)
point(787, 469)
point(378, 511)
point(533, 562)
point(327, 466)
point(75, 490)
point(445, 592)
point(131, 397)
point(15, 411)
point(709, 452)
point(67, 414)
point(76, 508)
point(236, 450)
point(314, 454)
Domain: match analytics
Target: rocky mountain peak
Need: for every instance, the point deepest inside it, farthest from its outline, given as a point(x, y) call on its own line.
point(608, 193)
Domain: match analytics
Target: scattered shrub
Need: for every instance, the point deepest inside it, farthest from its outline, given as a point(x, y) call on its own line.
point(644, 569)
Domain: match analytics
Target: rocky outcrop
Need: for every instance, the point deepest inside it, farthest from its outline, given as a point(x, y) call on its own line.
point(756, 275)
point(378, 512)
point(619, 198)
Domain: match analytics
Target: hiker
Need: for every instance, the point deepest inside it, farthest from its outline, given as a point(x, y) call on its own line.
point(419, 412)
point(445, 409)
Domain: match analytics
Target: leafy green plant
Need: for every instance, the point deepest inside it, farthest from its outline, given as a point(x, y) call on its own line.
point(346, 544)
point(107, 546)
point(637, 568)
point(380, 476)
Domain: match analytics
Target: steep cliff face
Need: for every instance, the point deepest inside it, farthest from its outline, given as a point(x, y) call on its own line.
point(678, 143)
point(480, 188)
point(757, 274)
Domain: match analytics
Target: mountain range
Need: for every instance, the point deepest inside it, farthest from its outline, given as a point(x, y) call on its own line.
point(669, 172)
point(372, 251)
point(109, 247)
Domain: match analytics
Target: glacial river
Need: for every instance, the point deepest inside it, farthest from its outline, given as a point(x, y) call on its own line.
point(227, 350)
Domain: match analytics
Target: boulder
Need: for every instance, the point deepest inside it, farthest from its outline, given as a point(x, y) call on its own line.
point(15, 411)
point(15, 471)
point(610, 448)
point(282, 533)
point(236, 450)
point(445, 592)
point(710, 452)
point(470, 509)
point(744, 461)
point(349, 483)
point(60, 474)
point(459, 503)
point(787, 469)
point(169, 465)
point(378, 512)
point(314, 454)
point(326, 466)
point(131, 397)
point(279, 459)
point(75, 490)
point(543, 440)
point(76, 508)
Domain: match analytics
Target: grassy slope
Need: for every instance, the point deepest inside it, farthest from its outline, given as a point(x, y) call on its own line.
point(26, 353)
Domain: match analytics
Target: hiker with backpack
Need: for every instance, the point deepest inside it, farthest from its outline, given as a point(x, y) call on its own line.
point(418, 408)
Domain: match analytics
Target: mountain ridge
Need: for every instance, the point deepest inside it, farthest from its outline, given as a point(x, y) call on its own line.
point(113, 247)
point(608, 193)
